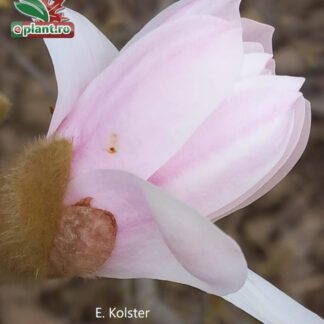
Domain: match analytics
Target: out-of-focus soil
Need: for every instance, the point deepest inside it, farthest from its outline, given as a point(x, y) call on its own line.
point(281, 234)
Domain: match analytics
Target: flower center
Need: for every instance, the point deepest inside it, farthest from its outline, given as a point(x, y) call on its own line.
point(39, 236)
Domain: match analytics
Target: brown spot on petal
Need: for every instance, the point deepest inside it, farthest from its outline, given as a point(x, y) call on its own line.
point(113, 144)
point(112, 150)
point(85, 240)
point(51, 109)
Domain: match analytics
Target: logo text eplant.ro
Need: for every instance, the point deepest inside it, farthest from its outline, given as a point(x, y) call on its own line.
point(48, 20)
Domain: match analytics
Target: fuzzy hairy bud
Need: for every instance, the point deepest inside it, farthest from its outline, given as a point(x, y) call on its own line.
point(40, 237)
point(31, 199)
point(5, 105)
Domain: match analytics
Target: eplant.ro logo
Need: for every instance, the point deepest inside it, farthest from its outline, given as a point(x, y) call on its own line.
point(48, 20)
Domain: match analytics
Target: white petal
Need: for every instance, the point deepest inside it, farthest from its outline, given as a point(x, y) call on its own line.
point(159, 237)
point(270, 305)
point(252, 47)
point(254, 31)
point(224, 9)
point(255, 64)
point(76, 62)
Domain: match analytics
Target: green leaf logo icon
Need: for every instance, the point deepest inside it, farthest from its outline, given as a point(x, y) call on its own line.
point(34, 9)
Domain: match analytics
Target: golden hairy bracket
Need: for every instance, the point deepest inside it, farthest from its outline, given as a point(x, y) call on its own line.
point(40, 237)
point(5, 105)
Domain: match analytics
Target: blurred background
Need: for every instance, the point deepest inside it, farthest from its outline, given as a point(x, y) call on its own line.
point(281, 234)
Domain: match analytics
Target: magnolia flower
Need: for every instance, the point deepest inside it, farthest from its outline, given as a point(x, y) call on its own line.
point(148, 147)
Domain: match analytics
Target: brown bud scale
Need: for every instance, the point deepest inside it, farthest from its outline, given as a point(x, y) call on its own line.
point(84, 241)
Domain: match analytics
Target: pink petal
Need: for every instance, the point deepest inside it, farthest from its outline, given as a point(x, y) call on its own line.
point(256, 61)
point(224, 9)
point(255, 64)
point(76, 62)
point(147, 104)
point(159, 237)
point(252, 47)
point(256, 32)
point(270, 305)
point(238, 146)
point(271, 67)
point(295, 149)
